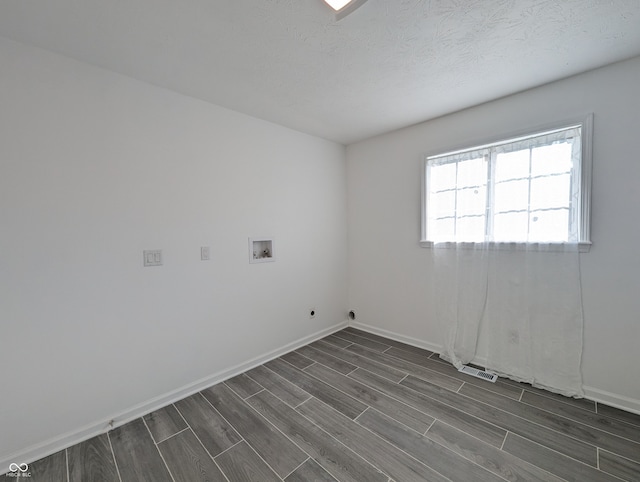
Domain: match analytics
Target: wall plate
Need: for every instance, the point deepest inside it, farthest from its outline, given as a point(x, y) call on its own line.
point(152, 257)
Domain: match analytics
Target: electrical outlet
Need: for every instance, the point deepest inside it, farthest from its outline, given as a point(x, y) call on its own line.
point(152, 257)
point(205, 253)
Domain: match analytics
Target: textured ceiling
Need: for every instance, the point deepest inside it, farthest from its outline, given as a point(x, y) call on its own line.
point(389, 64)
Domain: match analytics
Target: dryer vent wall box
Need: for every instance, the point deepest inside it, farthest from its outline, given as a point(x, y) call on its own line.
point(261, 250)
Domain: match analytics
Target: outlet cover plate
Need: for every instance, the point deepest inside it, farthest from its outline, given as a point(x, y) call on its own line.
point(152, 257)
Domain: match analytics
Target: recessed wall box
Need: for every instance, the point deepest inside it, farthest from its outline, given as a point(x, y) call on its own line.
point(261, 250)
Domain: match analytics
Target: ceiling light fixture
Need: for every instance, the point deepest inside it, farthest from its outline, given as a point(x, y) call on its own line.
point(344, 7)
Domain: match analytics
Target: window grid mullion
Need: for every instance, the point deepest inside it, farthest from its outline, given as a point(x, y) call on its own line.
point(529, 194)
point(455, 204)
point(491, 173)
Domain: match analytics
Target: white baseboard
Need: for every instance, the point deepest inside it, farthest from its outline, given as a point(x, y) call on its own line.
point(612, 399)
point(595, 394)
point(397, 337)
point(51, 446)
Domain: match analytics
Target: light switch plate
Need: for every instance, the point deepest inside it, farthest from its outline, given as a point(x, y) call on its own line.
point(152, 257)
point(205, 253)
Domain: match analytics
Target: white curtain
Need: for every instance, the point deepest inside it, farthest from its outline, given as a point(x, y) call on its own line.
point(461, 274)
point(526, 299)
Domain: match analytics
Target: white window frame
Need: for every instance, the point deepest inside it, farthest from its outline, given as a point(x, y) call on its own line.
point(586, 166)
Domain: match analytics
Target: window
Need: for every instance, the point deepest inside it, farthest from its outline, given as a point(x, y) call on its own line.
point(529, 189)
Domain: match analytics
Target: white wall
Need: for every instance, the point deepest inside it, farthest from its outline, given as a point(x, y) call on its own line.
point(391, 277)
point(95, 168)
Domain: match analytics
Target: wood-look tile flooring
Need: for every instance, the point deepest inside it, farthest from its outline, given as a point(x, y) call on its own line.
point(359, 407)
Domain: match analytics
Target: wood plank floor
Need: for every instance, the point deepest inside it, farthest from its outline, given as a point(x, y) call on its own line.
point(359, 407)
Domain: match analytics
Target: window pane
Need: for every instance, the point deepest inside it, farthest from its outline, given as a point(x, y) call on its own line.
point(551, 192)
point(443, 230)
point(549, 226)
point(472, 201)
point(510, 227)
point(470, 229)
point(442, 177)
point(511, 196)
point(553, 159)
point(472, 173)
point(442, 204)
point(512, 165)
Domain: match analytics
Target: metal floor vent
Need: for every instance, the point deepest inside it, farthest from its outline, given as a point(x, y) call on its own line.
point(474, 372)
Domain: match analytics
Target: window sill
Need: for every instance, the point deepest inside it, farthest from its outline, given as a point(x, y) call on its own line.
point(583, 246)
